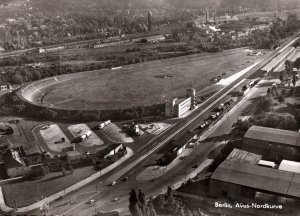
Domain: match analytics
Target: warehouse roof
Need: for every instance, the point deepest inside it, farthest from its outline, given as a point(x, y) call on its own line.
point(272, 180)
point(274, 135)
point(244, 156)
point(277, 59)
point(290, 166)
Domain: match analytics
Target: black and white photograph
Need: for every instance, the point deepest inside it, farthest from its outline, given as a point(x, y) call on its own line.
point(149, 107)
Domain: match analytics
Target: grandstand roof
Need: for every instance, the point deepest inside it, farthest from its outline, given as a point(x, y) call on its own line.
point(274, 62)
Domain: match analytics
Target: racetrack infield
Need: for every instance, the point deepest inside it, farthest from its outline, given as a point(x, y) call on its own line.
point(136, 85)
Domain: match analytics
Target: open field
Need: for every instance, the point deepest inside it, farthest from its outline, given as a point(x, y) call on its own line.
point(25, 193)
point(53, 136)
point(81, 129)
point(137, 85)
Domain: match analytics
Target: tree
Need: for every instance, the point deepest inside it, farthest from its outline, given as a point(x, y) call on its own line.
point(151, 208)
point(281, 99)
point(36, 75)
point(159, 202)
point(297, 63)
point(265, 104)
point(294, 80)
point(63, 170)
point(289, 65)
point(241, 126)
point(169, 197)
point(281, 75)
point(134, 204)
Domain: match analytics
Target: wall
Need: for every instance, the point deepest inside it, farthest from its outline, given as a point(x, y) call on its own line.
point(24, 107)
point(217, 187)
point(271, 151)
point(15, 172)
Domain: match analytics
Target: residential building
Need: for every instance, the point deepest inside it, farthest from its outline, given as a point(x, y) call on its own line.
point(181, 106)
point(14, 165)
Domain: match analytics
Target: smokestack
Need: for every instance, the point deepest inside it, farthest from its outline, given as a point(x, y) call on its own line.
point(206, 16)
point(214, 16)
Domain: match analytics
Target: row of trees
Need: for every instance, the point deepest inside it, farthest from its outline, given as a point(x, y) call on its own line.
point(163, 204)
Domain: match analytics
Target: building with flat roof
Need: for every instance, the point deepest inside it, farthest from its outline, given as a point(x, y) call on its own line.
point(177, 107)
point(181, 106)
point(272, 144)
point(244, 181)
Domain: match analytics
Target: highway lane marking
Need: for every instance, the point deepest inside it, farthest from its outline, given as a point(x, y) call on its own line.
point(35, 87)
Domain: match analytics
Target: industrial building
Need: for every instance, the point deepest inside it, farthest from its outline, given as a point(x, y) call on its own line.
point(273, 144)
point(272, 65)
point(240, 179)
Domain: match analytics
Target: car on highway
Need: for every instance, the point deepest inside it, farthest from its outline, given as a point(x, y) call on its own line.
point(113, 183)
point(115, 199)
point(229, 102)
point(214, 116)
point(91, 201)
point(125, 179)
point(203, 125)
point(220, 107)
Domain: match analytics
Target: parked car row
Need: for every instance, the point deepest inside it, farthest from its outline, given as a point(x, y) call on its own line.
point(218, 110)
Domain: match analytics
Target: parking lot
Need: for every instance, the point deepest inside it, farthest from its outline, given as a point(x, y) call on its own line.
point(55, 139)
point(84, 135)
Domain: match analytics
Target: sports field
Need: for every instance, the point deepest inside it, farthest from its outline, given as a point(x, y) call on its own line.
point(139, 84)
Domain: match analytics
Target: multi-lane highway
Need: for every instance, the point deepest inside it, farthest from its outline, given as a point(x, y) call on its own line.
point(104, 195)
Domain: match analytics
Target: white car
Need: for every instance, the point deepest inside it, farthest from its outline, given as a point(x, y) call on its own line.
point(113, 183)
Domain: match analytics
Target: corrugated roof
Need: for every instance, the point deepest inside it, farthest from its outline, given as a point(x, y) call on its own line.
point(244, 156)
point(273, 135)
point(272, 180)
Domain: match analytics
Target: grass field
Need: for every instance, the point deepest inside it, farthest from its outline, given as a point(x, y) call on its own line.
point(145, 83)
point(28, 192)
